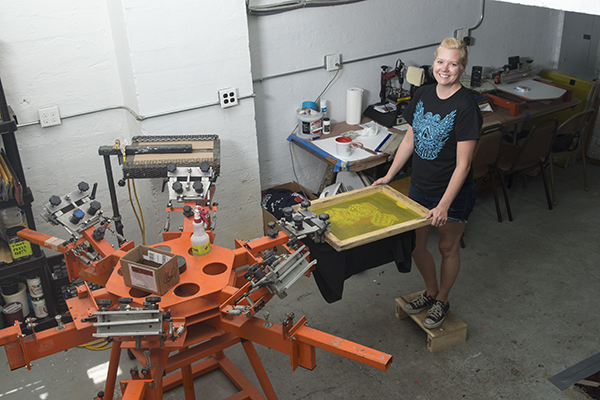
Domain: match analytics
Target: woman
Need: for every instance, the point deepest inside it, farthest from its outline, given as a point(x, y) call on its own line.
point(444, 124)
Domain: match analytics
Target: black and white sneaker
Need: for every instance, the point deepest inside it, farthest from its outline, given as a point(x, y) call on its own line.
point(418, 304)
point(436, 315)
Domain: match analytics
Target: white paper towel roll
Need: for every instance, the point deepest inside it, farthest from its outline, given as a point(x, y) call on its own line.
point(354, 106)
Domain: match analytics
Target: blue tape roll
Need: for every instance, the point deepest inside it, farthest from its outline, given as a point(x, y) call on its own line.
point(309, 104)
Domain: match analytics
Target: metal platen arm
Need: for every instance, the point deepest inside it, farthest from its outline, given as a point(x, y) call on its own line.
point(302, 223)
point(188, 184)
point(278, 273)
point(75, 211)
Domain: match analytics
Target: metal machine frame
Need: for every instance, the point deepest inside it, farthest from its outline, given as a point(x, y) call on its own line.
point(213, 307)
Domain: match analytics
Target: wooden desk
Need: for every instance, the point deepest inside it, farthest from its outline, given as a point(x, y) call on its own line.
point(527, 111)
point(334, 164)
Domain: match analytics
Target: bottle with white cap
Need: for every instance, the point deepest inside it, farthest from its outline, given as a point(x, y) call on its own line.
point(200, 239)
point(323, 104)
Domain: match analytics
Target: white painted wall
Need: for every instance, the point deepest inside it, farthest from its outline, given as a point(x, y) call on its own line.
point(61, 54)
point(181, 54)
point(156, 57)
point(300, 39)
point(151, 56)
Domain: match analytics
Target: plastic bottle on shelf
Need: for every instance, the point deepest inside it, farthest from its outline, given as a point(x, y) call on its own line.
point(200, 239)
point(12, 217)
point(323, 104)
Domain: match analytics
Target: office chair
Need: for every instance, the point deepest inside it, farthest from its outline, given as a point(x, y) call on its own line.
point(485, 159)
point(577, 126)
point(514, 160)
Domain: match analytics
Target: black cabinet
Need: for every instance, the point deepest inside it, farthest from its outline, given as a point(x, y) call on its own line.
point(37, 262)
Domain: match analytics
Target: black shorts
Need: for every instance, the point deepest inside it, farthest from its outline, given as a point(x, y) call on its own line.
point(461, 207)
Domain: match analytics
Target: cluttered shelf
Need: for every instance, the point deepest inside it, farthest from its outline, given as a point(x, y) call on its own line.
point(21, 262)
point(27, 197)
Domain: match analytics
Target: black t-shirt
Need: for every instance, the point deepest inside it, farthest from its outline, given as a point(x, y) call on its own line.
point(438, 125)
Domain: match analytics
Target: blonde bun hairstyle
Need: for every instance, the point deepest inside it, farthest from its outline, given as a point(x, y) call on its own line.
point(455, 44)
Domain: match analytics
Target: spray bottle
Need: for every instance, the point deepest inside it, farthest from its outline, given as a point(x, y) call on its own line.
point(200, 239)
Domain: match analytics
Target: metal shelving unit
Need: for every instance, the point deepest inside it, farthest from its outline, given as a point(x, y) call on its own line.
point(37, 262)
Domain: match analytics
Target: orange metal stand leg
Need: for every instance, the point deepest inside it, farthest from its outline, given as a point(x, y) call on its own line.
point(187, 378)
point(259, 370)
point(135, 390)
point(161, 356)
point(113, 367)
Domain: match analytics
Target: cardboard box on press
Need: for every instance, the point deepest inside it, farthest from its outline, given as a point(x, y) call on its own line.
point(155, 271)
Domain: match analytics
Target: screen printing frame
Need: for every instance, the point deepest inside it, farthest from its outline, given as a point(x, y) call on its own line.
point(341, 245)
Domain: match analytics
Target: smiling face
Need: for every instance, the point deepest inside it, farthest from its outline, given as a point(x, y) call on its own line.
point(447, 68)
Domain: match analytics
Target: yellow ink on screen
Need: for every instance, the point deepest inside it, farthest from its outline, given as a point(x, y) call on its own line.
point(365, 214)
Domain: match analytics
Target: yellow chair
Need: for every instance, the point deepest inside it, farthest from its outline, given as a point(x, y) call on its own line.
point(578, 127)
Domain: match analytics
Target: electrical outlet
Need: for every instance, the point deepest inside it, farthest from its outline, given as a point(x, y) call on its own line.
point(228, 97)
point(49, 116)
point(333, 62)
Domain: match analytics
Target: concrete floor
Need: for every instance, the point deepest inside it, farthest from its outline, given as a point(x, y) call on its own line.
point(528, 291)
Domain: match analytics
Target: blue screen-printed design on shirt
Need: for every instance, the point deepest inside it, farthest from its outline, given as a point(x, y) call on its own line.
point(430, 133)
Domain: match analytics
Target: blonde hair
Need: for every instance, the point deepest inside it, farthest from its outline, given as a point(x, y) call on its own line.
point(455, 44)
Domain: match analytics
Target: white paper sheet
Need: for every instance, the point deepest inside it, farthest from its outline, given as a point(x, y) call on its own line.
point(370, 142)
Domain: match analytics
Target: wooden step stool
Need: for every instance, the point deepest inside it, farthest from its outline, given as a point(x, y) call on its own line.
point(452, 332)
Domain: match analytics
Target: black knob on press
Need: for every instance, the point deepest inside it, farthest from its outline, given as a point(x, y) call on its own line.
point(305, 203)
point(104, 303)
point(171, 167)
point(83, 186)
point(204, 166)
point(153, 299)
point(94, 207)
point(188, 211)
point(287, 212)
point(177, 187)
point(198, 186)
point(76, 217)
point(121, 182)
point(324, 217)
point(298, 221)
point(55, 200)
point(99, 233)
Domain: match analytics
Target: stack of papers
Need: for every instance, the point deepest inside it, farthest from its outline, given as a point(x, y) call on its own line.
point(373, 137)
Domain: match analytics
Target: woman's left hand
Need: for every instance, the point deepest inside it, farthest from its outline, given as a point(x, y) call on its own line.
point(438, 215)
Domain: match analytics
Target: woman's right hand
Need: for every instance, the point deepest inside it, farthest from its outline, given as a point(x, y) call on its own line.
point(381, 181)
